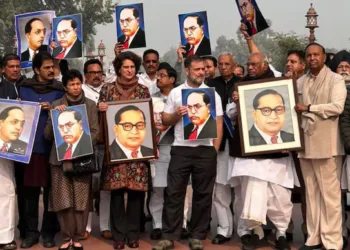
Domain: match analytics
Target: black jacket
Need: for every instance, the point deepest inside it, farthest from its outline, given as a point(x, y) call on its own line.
point(84, 147)
point(139, 40)
point(75, 52)
point(203, 49)
point(25, 55)
point(235, 148)
point(344, 123)
point(209, 130)
point(18, 147)
point(7, 90)
point(118, 154)
point(256, 139)
point(224, 90)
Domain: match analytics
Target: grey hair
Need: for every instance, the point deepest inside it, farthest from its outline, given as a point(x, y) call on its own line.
point(226, 53)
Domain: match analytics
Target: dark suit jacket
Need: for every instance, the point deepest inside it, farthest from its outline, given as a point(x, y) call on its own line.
point(209, 130)
point(75, 51)
point(255, 138)
point(18, 147)
point(261, 23)
point(139, 40)
point(203, 48)
point(116, 153)
point(25, 55)
point(84, 147)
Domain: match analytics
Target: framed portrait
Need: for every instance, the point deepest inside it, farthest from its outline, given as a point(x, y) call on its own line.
point(68, 36)
point(33, 32)
point(251, 16)
point(194, 33)
point(72, 132)
point(18, 124)
point(267, 119)
point(130, 25)
point(130, 131)
point(200, 121)
point(164, 134)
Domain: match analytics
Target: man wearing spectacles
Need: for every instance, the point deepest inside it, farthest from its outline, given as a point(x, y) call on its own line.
point(133, 35)
point(197, 42)
point(251, 16)
point(35, 34)
point(198, 110)
point(269, 119)
point(340, 64)
point(66, 34)
point(130, 133)
point(75, 140)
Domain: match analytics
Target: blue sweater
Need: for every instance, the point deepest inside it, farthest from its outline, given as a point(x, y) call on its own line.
point(41, 145)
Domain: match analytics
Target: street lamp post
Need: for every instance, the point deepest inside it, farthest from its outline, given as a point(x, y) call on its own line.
point(311, 23)
point(101, 50)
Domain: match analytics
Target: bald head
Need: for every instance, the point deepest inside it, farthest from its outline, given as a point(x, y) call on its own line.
point(256, 65)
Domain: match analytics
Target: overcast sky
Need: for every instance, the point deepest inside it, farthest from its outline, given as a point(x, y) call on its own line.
point(162, 28)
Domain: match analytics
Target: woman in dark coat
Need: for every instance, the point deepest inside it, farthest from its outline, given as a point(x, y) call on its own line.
point(70, 197)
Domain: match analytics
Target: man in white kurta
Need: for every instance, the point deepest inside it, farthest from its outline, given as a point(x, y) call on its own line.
point(262, 189)
point(7, 205)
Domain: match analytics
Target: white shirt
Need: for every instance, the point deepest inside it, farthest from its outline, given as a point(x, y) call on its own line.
point(8, 144)
point(197, 45)
point(173, 102)
point(74, 145)
point(145, 80)
point(128, 152)
point(267, 138)
point(200, 127)
point(31, 54)
point(93, 93)
point(133, 36)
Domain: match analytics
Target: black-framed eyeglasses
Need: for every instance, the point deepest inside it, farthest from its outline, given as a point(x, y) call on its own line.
point(127, 126)
point(92, 73)
point(266, 111)
point(196, 107)
point(162, 75)
point(63, 32)
point(68, 126)
point(126, 21)
point(191, 29)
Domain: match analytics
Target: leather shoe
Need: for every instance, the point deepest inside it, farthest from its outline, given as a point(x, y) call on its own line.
point(156, 234)
point(184, 234)
point(106, 234)
point(86, 236)
point(29, 242)
point(133, 244)
point(9, 246)
point(49, 243)
point(118, 244)
point(305, 247)
point(219, 239)
point(282, 244)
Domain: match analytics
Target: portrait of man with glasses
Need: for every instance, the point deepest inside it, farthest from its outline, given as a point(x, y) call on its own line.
point(130, 133)
point(76, 141)
point(130, 23)
point(251, 16)
point(202, 123)
point(269, 117)
point(66, 33)
point(195, 34)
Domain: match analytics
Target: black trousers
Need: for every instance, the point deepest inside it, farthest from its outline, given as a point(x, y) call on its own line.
point(125, 222)
point(28, 207)
point(200, 163)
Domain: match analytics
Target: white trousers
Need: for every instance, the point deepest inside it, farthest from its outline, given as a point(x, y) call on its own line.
point(222, 200)
point(255, 199)
point(7, 202)
point(105, 203)
point(156, 206)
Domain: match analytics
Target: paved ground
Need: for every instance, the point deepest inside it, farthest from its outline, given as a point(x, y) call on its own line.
point(95, 242)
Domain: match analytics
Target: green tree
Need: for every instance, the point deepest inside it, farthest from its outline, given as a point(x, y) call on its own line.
point(93, 11)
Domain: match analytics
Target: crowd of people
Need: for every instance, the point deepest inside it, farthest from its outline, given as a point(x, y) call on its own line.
point(250, 195)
